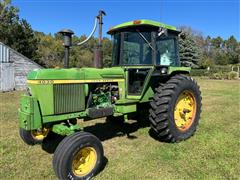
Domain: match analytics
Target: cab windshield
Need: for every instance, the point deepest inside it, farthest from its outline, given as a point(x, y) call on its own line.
point(136, 48)
point(144, 48)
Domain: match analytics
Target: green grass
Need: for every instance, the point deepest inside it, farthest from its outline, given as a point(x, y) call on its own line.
point(212, 153)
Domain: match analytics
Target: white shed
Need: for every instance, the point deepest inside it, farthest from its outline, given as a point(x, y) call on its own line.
point(14, 68)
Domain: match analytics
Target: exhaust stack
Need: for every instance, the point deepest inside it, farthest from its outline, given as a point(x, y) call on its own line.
point(98, 52)
point(67, 43)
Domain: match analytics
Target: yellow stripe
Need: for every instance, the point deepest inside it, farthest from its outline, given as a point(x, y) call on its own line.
point(72, 81)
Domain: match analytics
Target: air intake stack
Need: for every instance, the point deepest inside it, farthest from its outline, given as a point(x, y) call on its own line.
point(67, 42)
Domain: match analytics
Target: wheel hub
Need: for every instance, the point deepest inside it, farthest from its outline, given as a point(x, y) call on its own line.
point(84, 161)
point(39, 135)
point(185, 110)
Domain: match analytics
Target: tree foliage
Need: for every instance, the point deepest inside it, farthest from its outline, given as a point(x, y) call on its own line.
point(203, 52)
point(15, 32)
point(189, 51)
point(47, 49)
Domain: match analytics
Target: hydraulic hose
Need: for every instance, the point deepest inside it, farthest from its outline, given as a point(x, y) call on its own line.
point(91, 34)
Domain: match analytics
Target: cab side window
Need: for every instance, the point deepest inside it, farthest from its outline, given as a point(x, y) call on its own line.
point(166, 52)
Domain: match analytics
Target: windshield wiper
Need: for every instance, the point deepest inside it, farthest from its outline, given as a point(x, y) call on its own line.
point(149, 44)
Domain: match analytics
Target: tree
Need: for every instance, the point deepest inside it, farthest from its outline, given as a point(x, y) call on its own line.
point(107, 52)
point(232, 47)
point(217, 42)
point(221, 58)
point(189, 51)
point(15, 32)
point(50, 52)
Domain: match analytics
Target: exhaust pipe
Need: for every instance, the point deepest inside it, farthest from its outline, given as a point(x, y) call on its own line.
point(98, 52)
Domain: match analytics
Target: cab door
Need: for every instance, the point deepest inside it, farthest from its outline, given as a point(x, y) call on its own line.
point(136, 80)
point(138, 56)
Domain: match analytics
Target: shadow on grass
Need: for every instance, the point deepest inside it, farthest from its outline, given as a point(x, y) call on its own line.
point(110, 129)
point(51, 142)
point(104, 131)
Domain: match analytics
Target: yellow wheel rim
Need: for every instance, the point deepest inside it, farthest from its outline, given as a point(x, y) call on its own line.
point(40, 135)
point(84, 161)
point(185, 110)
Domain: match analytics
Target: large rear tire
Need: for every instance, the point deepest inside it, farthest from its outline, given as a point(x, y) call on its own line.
point(175, 109)
point(78, 156)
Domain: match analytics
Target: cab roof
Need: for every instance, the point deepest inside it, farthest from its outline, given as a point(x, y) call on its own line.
point(143, 22)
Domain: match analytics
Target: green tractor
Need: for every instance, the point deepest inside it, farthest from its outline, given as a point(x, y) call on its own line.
point(145, 70)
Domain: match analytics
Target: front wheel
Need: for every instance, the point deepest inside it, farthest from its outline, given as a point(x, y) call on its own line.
point(33, 137)
point(78, 156)
point(175, 109)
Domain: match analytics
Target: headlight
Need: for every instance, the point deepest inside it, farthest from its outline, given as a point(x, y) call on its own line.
point(164, 70)
point(29, 92)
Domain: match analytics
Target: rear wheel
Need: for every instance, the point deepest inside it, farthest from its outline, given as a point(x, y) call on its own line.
point(175, 109)
point(78, 156)
point(33, 137)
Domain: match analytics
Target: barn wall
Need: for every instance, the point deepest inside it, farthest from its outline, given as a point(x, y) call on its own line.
point(7, 82)
point(22, 66)
point(14, 68)
point(4, 53)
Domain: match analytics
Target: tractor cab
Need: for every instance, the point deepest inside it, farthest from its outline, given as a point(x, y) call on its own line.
point(144, 43)
point(141, 46)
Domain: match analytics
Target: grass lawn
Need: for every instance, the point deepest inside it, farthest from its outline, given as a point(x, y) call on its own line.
point(212, 153)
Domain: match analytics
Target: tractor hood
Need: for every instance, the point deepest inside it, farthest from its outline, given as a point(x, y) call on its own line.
point(77, 74)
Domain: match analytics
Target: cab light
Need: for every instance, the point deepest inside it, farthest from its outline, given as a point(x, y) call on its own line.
point(137, 22)
point(164, 71)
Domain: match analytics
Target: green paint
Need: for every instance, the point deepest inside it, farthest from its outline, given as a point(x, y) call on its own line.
point(172, 69)
point(55, 118)
point(146, 84)
point(148, 94)
point(137, 97)
point(29, 113)
point(44, 95)
point(77, 74)
point(126, 101)
point(125, 108)
point(144, 22)
point(64, 130)
point(86, 89)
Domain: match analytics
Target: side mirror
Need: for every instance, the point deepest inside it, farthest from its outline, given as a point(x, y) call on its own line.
point(162, 32)
point(182, 35)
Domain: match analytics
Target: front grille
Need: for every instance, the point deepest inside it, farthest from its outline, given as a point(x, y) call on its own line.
point(68, 98)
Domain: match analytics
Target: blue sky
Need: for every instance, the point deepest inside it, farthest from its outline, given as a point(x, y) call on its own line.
point(211, 17)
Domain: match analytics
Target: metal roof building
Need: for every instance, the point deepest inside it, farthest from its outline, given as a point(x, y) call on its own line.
point(14, 68)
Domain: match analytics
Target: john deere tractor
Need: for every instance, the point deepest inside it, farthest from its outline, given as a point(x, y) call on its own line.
point(145, 70)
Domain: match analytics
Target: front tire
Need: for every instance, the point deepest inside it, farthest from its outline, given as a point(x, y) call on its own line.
point(33, 137)
point(175, 109)
point(78, 156)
